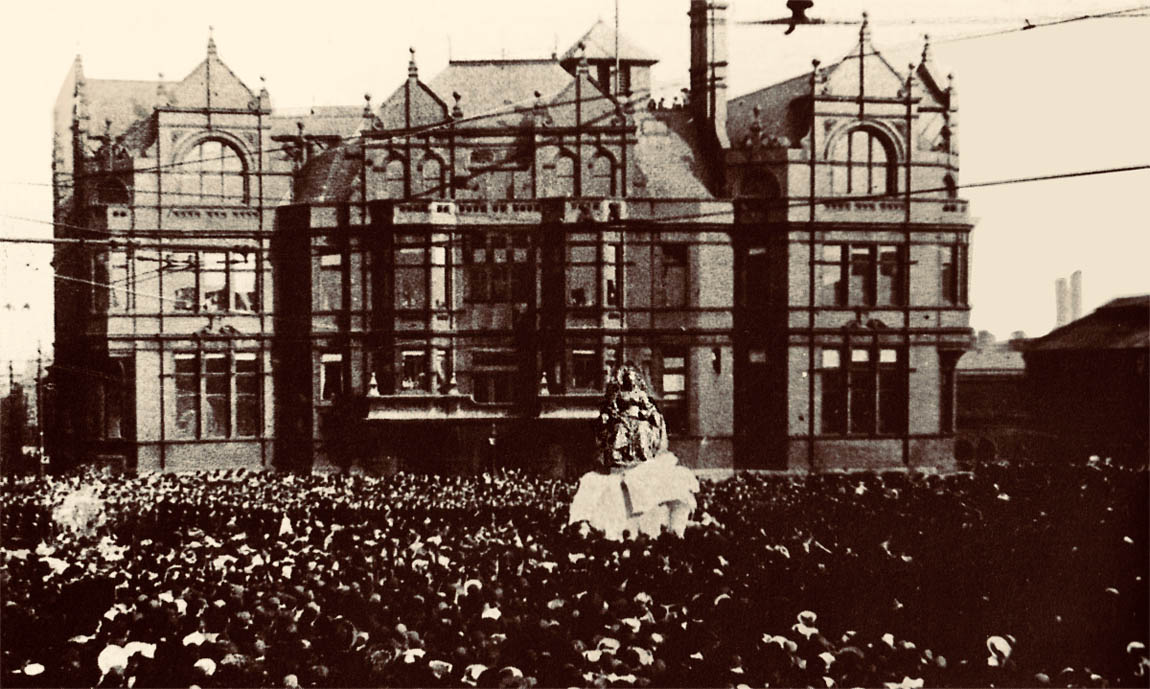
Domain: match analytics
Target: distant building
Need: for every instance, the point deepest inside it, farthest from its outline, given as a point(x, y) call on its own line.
point(441, 281)
point(1089, 384)
point(992, 405)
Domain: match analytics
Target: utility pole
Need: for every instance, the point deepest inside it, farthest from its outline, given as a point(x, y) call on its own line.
point(40, 410)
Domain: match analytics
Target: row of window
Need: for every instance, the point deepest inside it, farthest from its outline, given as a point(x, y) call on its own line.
point(217, 395)
point(558, 178)
point(184, 281)
point(494, 375)
point(875, 275)
point(498, 269)
point(864, 391)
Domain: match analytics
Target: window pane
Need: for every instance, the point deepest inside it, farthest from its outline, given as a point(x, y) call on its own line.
point(213, 282)
point(585, 371)
point(216, 416)
point(331, 376)
point(187, 394)
point(831, 292)
point(861, 271)
point(892, 400)
point(834, 400)
point(948, 274)
point(410, 290)
point(674, 383)
point(831, 358)
point(243, 277)
point(330, 282)
point(862, 399)
point(414, 370)
point(180, 282)
point(889, 287)
point(146, 269)
point(247, 415)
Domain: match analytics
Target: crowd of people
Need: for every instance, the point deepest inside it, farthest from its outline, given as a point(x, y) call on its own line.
point(1011, 576)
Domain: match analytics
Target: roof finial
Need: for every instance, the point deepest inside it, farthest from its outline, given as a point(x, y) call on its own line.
point(457, 109)
point(582, 51)
point(864, 29)
point(412, 69)
point(925, 48)
point(212, 42)
point(367, 105)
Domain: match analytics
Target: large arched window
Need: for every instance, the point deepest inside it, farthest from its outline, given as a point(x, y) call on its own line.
point(394, 175)
point(863, 165)
point(602, 179)
point(432, 178)
point(212, 173)
point(564, 176)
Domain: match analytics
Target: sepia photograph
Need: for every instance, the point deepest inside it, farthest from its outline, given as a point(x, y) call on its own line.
point(613, 343)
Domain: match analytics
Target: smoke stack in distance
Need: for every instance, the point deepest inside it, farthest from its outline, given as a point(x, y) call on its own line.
point(1061, 303)
point(1076, 295)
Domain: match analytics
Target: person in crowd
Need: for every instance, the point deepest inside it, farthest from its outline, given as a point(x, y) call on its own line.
point(1014, 576)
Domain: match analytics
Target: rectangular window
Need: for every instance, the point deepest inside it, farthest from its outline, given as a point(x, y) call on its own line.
point(585, 370)
point(247, 395)
point(830, 277)
point(581, 275)
point(493, 387)
point(867, 395)
point(892, 392)
point(834, 393)
point(861, 284)
point(673, 385)
point(118, 301)
point(954, 274)
point(946, 395)
point(216, 409)
point(498, 268)
point(145, 278)
point(439, 277)
point(180, 289)
point(861, 382)
point(861, 275)
point(673, 281)
point(187, 395)
point(213, 282)
point(889, 281)
point(330, 282)
point(245, 297)
point(414, 370)
point(612, 274)
point(331, 376)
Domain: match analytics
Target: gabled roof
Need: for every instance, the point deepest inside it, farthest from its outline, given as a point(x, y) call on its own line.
point(779, 112)
point(670, 162)
point(228, 91)
point(1123, 323)
point(599, 42)
point(493, 85)
point(121, 101)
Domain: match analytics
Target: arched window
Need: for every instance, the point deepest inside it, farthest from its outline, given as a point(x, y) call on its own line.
point(564, 176)
point(602, 181)
point(432, 178)
point(393, 178)
point(863, 165)
point(212, 173)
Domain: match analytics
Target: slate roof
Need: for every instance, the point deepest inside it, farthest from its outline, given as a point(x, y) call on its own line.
point(488, 85)
point(323, 120)
point(330, 176)
point(599, 42)
point(992, 360)
point(121, 101)
point(1123, 323)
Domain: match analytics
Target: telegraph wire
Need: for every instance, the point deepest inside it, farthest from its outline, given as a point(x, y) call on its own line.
point(521, 106)
point(795, 202)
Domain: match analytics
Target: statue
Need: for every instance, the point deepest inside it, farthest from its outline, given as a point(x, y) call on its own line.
point(639, 488)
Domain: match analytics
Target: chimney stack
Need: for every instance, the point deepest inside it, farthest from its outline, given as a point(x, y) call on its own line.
point(709, 67)
point(1076, 295)
point(1061, 302)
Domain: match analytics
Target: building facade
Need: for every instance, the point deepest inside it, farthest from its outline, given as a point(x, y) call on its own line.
point(440, 282)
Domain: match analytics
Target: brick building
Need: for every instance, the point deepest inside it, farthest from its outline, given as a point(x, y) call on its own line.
point(440, 282)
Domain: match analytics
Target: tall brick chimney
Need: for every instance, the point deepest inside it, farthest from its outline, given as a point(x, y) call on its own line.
point(1076, 295)
point(1061, 303)
point(709, 67)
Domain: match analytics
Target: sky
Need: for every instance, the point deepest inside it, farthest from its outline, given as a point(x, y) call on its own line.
point(1052, 100)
